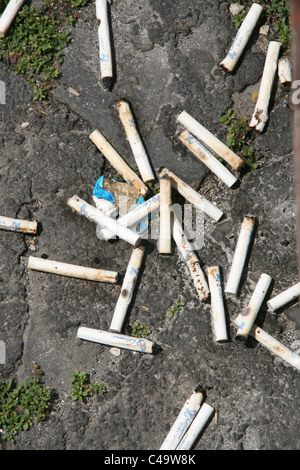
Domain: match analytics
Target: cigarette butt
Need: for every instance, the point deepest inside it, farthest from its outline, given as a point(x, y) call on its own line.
point(8, 15)
point(116, 340)
point(105, 55)
point(71, 270)
point(242, 37)
point(261, 111)
point(127, 289)
point(190, 258)
point(240, 255)
point(206, 157)
point(253, 308)
point(135, 141)
point(118, 163)
point(285, 70)
point(165, 236)
point(183, 421)
point(217, 304)
point(211, 141)
point(196, 427)
point(132, 218)
point(97, 216)
point(18, 225)
point(272, 344)
point(284, 297)
point(192, 196)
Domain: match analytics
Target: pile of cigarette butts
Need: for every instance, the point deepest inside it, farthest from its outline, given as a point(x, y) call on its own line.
point(208, 149)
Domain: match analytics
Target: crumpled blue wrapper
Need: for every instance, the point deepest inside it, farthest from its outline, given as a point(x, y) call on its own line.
point(102, 193)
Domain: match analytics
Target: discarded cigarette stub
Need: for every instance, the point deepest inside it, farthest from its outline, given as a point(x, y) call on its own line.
point(285, 70)
point(211, 141)
point(18, 225)
point(9, 15)
point(183, 421)
point(261, 111)
point(71, 270)
point(198, 424)
point(272, 344)
point(132, 218)
point(193, 196)
point(217, 304)
point(135, 141)
point(253, 308)
point(165, 235)
point(118, 163)
point(190, 258)
point(104, 38)
point(284, 297)
point(242, 37)
point(127, 289)
point(97, 216)
point(116, 340)
point(206, 157)
point(240, 255)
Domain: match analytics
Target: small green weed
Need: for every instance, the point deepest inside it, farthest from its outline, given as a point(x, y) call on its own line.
point(32, 46)
point(239, 18)
point(81, 388)
point(279, 14)
point(238, 137)
point(21, 406)
point(175, 309)
point(77, 3)
point(139, 331)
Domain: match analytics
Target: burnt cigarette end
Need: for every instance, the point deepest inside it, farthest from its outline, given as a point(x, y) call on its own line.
point(124, 293)
point(240, 338)
point(107, 82)
point(156, 349)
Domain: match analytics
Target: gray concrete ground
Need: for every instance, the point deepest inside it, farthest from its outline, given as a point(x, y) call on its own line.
point(167, 56)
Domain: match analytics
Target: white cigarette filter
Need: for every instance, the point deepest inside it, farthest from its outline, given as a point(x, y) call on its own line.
point(165, 236)
point(190, 257)
point(72, 270)
point(198, 424)
point(106, 67)
point(193, 196)
point(135, 141)
point(217, 304)
point(242, 37)
point(118, 163)
point(97, 216)
point(261, 111)
point(254, 306)
point(9, 14)
point(18, 225)
point(183, 421)
point(206, 157)
point(211, 141)
point(285, 70)
point(240, 255)
point(132, 218)
point(272, 344)
point(127, 289)
point(284, 297)
point(116, 340)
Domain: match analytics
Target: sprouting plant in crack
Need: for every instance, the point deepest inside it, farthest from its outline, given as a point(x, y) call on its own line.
point(21, 406)
point(32, 46)
point(175, 308)
point(82, 388)
point(238, 137)
point(139, 330)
